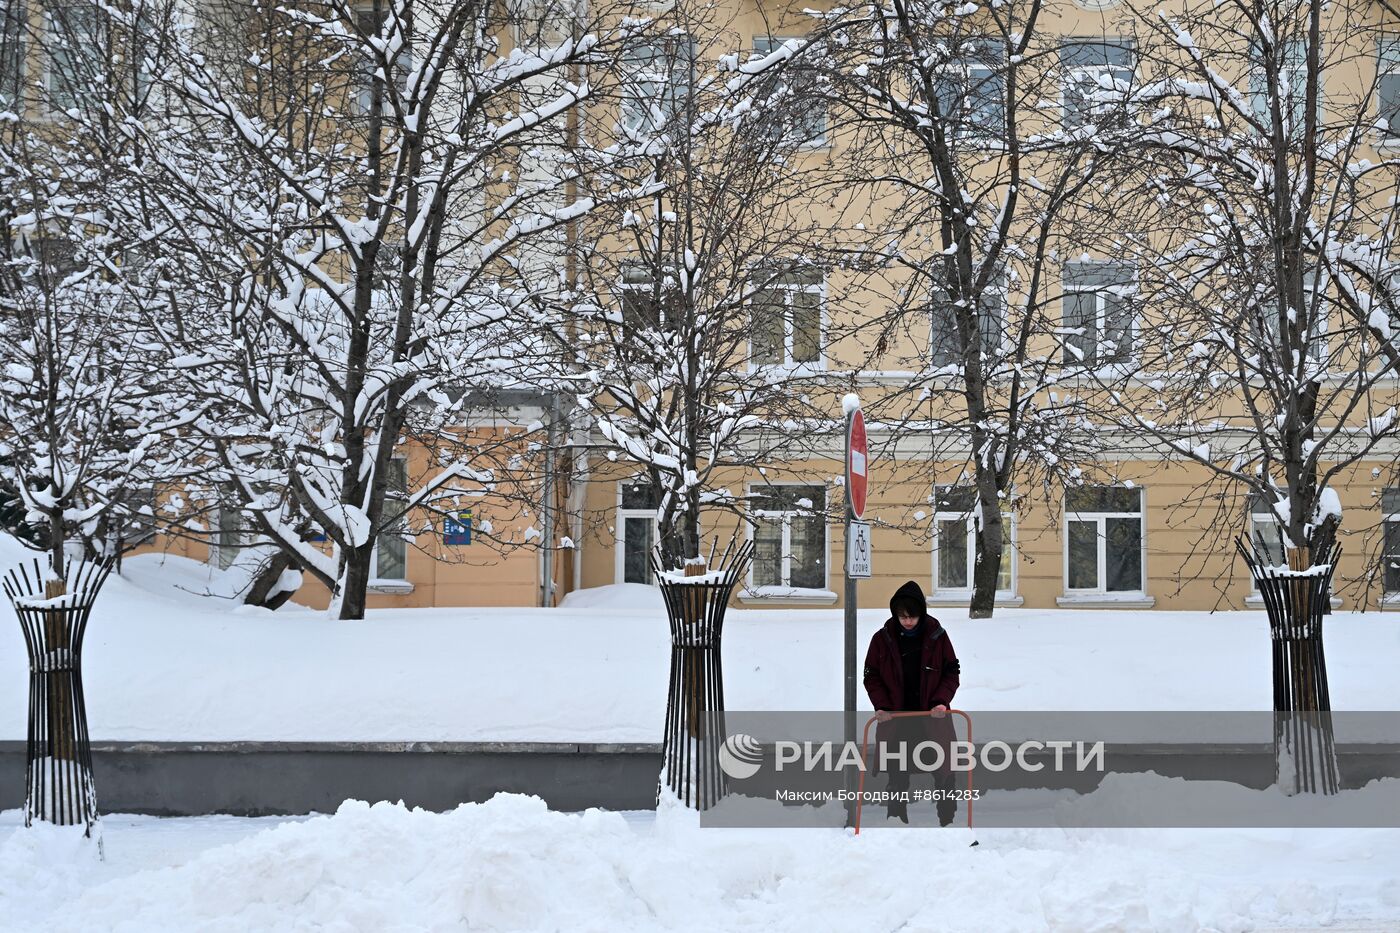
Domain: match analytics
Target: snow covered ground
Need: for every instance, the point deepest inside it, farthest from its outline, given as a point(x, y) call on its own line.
point(510, 864)
point(162, 663)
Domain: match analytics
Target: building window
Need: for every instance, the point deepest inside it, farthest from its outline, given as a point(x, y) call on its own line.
point(230, 537)
point(971, 97)
point(1388, 85)
point(636, 531)
point(1103, 540)
point(1098, 313)
point(955, 542)
point(787, 317)
point(390, 548)
point(1314, 313)
point(945, 347)
point(795, 91)
point(1292, 67)
point(1097, 71)
point(789, 536)
point(372, 30)
point(648, 305)
point(1266, 534)
point(1390, 554)
point(13, 23)
point(658, 85)
point(75, 42)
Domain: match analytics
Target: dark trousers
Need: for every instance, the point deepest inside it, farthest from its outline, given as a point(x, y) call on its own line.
point(911, 732)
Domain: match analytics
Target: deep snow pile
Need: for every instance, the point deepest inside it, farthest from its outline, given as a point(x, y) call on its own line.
point(164, 664)
point(510, 864)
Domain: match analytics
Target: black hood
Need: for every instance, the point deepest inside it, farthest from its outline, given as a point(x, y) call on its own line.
point(909, 593)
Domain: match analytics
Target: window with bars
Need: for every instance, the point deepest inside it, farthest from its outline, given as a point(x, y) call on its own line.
point(1097, 72)
point(391, 550)
point(786, 317)
point(789, 536)
point(636, 531)
point(955, 542)
point(804, 120)
point(1098, 299)
point(1103, 540)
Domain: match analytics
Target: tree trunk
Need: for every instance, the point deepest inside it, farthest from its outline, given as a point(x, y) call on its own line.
point(262, 591)
point(354, 582)
point(986, 570)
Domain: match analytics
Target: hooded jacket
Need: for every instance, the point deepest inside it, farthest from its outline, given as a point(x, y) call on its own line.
point(939, 667)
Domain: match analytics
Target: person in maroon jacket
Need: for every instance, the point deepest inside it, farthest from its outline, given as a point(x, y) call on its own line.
point(910, 666)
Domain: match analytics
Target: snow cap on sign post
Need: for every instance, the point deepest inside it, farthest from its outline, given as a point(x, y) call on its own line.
point(850, 402)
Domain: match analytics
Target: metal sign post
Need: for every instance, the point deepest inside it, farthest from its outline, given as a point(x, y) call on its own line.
point(856, 460)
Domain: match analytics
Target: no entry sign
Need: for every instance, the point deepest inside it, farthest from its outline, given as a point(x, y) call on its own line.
point(856, 460)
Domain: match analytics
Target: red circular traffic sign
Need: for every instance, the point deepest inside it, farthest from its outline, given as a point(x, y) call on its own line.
point(857, 461)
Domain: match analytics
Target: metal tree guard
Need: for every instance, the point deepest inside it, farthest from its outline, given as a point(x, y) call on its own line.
point(695, 606)
point(1296, 598)
point(58, 767)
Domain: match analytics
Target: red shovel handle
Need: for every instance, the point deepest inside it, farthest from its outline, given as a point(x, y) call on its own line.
point(865, 758)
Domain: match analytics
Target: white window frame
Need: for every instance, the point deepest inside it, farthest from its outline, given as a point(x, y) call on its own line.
point(1321, 325)
point(1258, 521)
point(400, 69)
point(1100, 519)
point(786, 546)
point(817, 288)
point(240, 539)
point(1387, 66)
point(635, 106)
point(1074, 74)
point(644, 284)
point(620, 534)
point(1259, 92)
point(16, 15)
point(1101, 317)
point(818, 141)
point(1000, 291)
point(964, 70)
point(53, 34)
point(376, 581)
point(1009, 544)
point(1388, 517)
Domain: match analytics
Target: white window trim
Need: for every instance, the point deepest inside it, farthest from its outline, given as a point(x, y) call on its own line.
point(786, 592)
point(963, 594)
point(1389, 597)
point(1002, 294)
point(1082, 71)
point(400, 69)
point(620, 534)
point(392, 585)
point(1101, 593)
point(789, 365)
point(216, 547)
point(1100, 316)
point(962, 71)
point(1389, 137)
point(819, 142)
point(1259, 100)
point(634, 110)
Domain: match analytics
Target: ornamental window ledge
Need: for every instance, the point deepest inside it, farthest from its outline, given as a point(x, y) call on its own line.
point(1105, 601)
point(390, 587)
point(964, 598)
point(1389, 600)
point(1255, 601)
point(785, 596)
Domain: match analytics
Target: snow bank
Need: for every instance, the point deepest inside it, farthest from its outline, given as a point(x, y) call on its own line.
point(511, 864)
point(163, 663)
